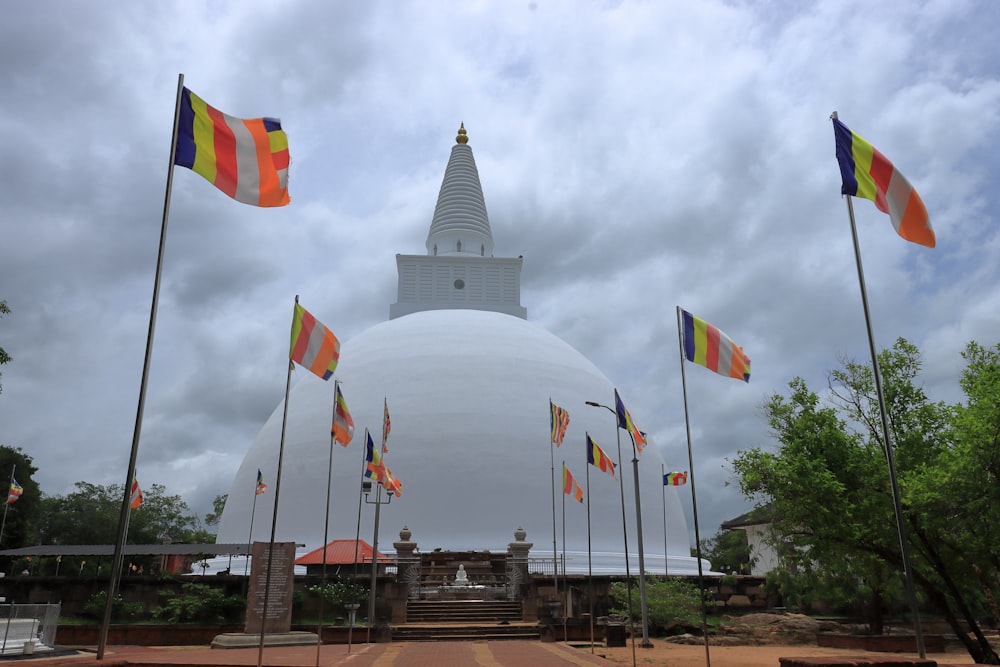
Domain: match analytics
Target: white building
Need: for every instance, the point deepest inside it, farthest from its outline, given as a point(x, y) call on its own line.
point(758, 524)
point(467, 380)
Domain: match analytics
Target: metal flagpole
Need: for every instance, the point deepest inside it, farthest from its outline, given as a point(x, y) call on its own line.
point(552, 478)
point(590, 567)
point(621, 489)
point(357, 536)
point(663, 493)
point(694, 496)
point(253, 511)
point(628, 574)
point(378, 506)
point(887, 441)
point(274, 516)
point(638, 535)
point(565, 581)
point(326, 525)
point(374, 579)
point(133, 456)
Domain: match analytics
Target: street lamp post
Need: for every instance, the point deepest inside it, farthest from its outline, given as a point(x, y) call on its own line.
point(638, 528)
point(378, 502)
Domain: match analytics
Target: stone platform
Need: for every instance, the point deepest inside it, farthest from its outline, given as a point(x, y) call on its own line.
point(244, 640)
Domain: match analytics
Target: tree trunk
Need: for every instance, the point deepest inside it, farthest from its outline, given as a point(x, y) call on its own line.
point(978, 646)
point(876, 624)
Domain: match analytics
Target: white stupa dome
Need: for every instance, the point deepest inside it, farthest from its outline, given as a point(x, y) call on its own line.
point(467, 381)
point(468, 394)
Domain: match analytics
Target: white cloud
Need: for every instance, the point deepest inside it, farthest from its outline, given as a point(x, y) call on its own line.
point(638, 155)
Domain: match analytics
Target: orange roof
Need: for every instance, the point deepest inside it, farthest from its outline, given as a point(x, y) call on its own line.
point(341, 552)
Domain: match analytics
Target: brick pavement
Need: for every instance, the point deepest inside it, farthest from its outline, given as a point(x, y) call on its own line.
point(507, 653)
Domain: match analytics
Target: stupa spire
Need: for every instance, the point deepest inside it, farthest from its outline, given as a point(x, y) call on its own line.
point(460, 225)
point(459, 270)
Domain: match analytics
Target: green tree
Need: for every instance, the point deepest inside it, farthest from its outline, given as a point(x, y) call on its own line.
point(20, 515)
point(728, 551)
point(218, 504)
point(829, 483)
point(90, 515)
point(669, 602)
point(4, 357)
point(973, 468)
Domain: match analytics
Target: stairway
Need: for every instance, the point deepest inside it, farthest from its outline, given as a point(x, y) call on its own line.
point(463, 620)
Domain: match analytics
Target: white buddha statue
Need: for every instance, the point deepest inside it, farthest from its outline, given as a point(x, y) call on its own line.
point(461, 577)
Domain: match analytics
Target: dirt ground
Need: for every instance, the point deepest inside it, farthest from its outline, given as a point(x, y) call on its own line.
point(677, 655)
point(756, 640)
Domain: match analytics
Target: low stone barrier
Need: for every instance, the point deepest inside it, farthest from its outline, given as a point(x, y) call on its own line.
point(881, 643)
point(848, 661)
point(143, 635)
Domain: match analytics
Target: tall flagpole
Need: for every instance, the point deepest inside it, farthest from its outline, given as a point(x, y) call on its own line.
point(552, 478)
point(628, 573)
point(378, 506)
point(638, 536)
point(274, 516)
point(694, 496)
point(663, 493)
point(326, 523)
point(253, 511)
point(887, 441)
point(357, 537)
point(565, 581)
point(590, 567)
point(116, 563)
point(374, 576)
point(621, 489)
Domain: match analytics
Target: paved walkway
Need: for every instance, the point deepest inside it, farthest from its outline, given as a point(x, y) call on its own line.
point(507, 653)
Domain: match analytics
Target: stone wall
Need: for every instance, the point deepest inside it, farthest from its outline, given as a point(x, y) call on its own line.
point(731, 594)
point(739, 593)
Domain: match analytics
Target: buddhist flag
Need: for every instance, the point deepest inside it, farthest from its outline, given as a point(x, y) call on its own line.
point(867, 173)
point(675, 479)
point(14, 493)
point(261, 486)
point(707, 346)
point(135, 497)
point(625, 422)
point(570, 486)
point(313, 345)
point(391, 484)
point(386, 426)
point(597, 458)
point(246, 159)
point(343, 424)
point(373, 460)
point(558, 421)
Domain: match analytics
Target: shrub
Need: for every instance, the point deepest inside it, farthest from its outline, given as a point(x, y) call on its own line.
point(199, 603)
point(120, 610)
point(342, 591)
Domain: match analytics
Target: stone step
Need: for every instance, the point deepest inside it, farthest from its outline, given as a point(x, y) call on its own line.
point(464, 632)
point(468, 611)
point(442, 618)
point(460, 605)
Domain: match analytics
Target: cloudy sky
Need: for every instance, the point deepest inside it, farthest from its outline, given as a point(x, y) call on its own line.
point(639, 155)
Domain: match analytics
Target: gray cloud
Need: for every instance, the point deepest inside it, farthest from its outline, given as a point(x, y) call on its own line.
point(638, 156)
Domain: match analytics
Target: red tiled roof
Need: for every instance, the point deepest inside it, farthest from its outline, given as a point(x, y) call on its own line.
point(341, 552)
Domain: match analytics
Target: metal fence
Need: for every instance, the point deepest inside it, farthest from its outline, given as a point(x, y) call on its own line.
point(28, 628)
